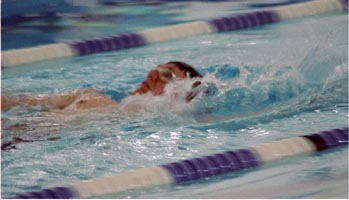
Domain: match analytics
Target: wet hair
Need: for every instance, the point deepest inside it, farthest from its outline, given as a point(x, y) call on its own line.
point(187, 69)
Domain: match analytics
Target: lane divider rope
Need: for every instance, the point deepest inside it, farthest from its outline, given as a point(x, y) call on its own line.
point(196, 168)
point(165, 33)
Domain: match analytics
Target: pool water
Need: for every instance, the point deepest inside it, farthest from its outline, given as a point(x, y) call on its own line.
point(268, 83)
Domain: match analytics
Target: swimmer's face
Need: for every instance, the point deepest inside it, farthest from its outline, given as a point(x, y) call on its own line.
point(158, 78)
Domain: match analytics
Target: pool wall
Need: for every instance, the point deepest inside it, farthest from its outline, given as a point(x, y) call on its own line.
point(196, 168)
point(165, 33)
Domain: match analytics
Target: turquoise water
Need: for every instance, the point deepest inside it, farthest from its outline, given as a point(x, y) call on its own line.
point(271, 82)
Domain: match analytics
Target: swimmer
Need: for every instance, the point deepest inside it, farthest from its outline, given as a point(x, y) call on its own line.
point(90, 98)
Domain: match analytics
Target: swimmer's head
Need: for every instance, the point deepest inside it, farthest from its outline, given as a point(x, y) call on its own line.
point(158, 77)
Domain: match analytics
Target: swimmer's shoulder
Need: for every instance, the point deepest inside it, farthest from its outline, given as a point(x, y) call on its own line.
point(91, 99)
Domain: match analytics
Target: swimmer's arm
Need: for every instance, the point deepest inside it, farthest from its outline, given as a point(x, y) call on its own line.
point(59, 101)
point(78, 99)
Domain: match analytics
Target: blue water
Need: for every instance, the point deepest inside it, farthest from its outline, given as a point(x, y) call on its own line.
point(269, 83)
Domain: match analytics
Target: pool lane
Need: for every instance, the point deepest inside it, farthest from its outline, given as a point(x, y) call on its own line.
point(165, 33)
point(196, 168)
